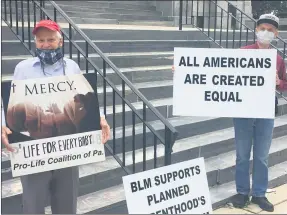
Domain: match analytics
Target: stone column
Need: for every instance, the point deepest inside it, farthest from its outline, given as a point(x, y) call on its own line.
point(247, 7)
point(244, 6)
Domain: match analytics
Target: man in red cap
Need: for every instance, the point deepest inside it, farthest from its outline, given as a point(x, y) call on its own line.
point(61, 186)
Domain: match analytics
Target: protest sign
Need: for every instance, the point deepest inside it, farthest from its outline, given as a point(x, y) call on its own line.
point(180, 188)
point(59, 120)
point(56, 153)
point(224, 82)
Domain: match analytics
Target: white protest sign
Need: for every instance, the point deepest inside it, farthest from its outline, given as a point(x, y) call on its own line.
point(56, 153)
point(180, 188)
point(224, 82)
point(61, 118)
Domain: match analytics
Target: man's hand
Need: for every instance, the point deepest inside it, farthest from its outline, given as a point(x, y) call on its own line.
point(4, 138)
point(277, 80)
point(105, 130)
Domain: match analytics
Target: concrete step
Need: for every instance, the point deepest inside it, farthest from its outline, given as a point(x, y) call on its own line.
point(120, 10)
point(84, 20)
point(133, 2)
point(115, 4)
point(110, 4)
point(116, 46)
point(93, 15)
point(107, 13)
point(92, 10)
point(95, 32)
point(115, 34)
point(77, 20)
point(134, 74)
point(147, 22)
point(131, 35)
point(90, 4)
point(110, 19)
point(119, 16)
point(184, 149)
point(121, 60)
point(112, 34)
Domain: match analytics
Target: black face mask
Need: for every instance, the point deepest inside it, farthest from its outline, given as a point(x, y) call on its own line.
point(49, 56)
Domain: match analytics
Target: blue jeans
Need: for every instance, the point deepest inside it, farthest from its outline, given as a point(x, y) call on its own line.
point(259, 132)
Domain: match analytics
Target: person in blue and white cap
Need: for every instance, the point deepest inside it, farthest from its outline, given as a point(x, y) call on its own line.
point(257, 132)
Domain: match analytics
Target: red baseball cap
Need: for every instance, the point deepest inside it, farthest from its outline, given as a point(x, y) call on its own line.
point(53, 26)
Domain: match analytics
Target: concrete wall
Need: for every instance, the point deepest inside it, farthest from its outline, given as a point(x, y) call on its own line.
point(166, 7)
point(171, 8)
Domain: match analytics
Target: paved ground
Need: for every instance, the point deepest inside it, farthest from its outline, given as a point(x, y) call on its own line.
point(278, 196)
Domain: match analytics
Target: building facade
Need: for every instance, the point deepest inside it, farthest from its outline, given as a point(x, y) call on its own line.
point(204, 13)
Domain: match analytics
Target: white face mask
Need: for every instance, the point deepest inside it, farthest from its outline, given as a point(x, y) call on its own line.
point(265, 37)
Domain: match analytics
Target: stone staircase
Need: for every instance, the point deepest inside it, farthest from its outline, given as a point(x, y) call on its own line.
point(109, 12)
point(146, 57)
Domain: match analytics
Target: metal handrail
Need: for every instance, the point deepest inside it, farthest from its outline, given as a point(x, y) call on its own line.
point(106, 79)
point(279, 93)
point(284, 54)
point(170, 133)
point(252, 19)
point(112, 65)
point(247, 15)
point(202, 29)
point(253, 30)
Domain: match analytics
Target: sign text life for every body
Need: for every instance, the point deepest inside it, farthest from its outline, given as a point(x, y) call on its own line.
point(51, 146)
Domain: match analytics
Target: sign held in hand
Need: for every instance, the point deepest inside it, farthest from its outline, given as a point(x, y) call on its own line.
point(58, 118)
point(224, 82)
point(56, 153)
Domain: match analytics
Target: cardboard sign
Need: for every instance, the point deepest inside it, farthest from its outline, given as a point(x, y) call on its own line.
point(56, 153)
point(180, 188)
point(224, 82)
point(58, 117)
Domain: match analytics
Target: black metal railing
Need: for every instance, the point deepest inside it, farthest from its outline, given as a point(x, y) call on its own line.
point(32, 11)
point(227, 28)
